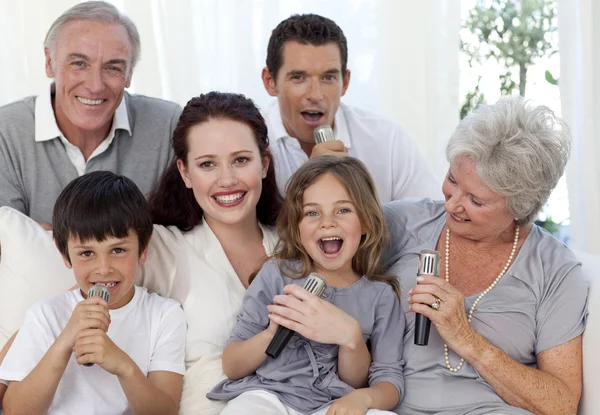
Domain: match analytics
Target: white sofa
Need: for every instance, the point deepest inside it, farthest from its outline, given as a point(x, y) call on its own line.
point(31, 269)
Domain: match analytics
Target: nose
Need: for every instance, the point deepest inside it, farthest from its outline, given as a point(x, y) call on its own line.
point(94, 80)
point(227, 176)
point(327, 220)
point(315, 93)
point(104, 267)
point(453, 202)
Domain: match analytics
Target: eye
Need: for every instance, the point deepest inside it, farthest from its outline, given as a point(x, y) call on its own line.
point(241, 160)
point(206, 164)
point(78, 63)
point(119, 251)
point(86, 254)
point(114, 68)
point(297, 77)
point(344, 210)
point(476, 203)
point(330, 77)
point(311, 213)
point(450, 178)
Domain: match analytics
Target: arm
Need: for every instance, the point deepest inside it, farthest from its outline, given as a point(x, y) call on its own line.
point(321, 321)
point(382, 395)
point(242, 358)
point(11, 194)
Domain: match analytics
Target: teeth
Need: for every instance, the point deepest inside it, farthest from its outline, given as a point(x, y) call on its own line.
point(331, 238)
point(109, 284)
point(90, 101)
point(229, 198)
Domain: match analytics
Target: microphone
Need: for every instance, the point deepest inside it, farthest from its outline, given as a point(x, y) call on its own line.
point(102, 292)
point(316, 285)
point(429, 264)
point(323, 133)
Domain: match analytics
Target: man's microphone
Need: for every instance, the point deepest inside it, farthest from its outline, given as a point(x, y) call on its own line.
point(429, 264)
point(102, 292)
point(314, 285)
point(323, 133)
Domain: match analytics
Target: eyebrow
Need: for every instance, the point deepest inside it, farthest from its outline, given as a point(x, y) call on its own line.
point(83, 56)
point(337, 202)
point(483, 199)
point(119, 242)
point(235, 153)
point(333, 71)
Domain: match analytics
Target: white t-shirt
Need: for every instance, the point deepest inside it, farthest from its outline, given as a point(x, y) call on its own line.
point(393, 159)
point(150, 329)
point(192, 268)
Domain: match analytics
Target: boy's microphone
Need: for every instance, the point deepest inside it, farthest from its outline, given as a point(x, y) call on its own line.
point(429, 264)
point(102, 292)
point(316, 285)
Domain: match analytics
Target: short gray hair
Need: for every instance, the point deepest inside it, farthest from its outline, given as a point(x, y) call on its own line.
point(520, 151)
point(96, 10)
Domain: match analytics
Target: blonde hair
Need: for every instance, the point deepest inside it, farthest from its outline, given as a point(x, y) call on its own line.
point(354, 176)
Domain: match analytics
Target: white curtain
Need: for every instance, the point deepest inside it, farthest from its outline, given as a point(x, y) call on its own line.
point(579, 82)
point(396, 50)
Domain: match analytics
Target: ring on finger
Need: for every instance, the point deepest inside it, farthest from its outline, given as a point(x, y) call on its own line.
point(436, 304)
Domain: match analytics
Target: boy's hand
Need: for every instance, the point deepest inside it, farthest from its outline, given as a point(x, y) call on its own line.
point(94, 346)
point(91, 313)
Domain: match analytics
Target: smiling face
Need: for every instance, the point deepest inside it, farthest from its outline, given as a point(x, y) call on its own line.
point(91, 67)
point(112, 262)
point(474, 211)
point(309, 86)
point(224, 169)
point(330, 229)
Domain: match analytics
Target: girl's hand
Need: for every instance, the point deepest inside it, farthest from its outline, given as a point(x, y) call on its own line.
point(316, 319)
point(350, 404)
point(450, 318)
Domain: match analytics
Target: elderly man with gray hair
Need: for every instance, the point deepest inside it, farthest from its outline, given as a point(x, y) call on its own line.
point(509, 308)
point(85, 121)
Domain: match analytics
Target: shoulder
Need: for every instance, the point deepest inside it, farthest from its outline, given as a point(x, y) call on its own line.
point(404, 211)
point(152, 106)
point(372, 120)
point(156, 304)
point(55, 305)
point(18, 114)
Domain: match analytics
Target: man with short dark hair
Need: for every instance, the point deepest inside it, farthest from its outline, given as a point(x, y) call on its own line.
point(307, 71)
point(85, 121)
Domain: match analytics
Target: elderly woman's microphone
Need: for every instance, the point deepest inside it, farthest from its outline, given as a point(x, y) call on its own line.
point(316, 285)
point(101, 291)
point(429, 264)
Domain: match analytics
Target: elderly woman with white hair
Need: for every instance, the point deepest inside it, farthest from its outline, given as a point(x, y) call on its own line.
point(509, 308)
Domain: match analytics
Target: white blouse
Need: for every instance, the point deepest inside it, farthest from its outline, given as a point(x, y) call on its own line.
point(192, 268)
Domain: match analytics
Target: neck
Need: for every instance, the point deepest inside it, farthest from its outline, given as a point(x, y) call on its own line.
point(306, 147)
point(239, 234)
point(85, 141)
point(340, 278)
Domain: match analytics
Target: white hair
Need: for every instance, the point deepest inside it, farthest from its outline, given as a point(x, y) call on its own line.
point(96, 10)
point(520, 151)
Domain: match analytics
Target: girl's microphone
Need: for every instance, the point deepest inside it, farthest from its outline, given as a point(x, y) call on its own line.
point(316, 285)
point(429, 264)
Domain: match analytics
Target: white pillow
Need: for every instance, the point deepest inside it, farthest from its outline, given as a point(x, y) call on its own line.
point(31, 268)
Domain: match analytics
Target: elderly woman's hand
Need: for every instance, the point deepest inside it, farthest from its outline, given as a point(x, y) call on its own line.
point(314, 318)
point(450, 318)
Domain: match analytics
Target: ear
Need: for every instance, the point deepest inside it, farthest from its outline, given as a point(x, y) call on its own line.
point(185, 175)
point(269, 82)
point(65, 258)
point(265, 165)
point(346, 82)
point(49, 63)
point(144, 255)
point(129, 76)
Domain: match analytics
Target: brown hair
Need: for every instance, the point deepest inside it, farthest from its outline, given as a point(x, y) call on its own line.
point(171, 202)
point(354, 176)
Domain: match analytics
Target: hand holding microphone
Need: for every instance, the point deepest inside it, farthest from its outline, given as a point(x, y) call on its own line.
point(326, 143)
point(429, 264)
point(102, 292)
point(314, 285)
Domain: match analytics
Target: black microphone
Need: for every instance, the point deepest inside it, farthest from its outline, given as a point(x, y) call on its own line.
point(316, 285)
point(429, 264)
point(102, 292)
point(323, 133)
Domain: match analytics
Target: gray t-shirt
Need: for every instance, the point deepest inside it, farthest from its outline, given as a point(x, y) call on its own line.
point(540, 303)
point(305, 375)
point(32, 174)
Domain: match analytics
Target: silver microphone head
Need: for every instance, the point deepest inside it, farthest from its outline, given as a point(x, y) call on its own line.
point(429, 263)
point(100, 291)
point(323, 133)
point(315, 284)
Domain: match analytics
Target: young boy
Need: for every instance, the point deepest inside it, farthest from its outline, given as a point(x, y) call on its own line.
point(102, 227)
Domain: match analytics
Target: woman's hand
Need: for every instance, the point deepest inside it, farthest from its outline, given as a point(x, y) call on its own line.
point(450, 318)
point(314, 318)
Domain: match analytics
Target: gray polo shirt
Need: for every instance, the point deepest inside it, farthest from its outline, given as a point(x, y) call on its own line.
point(540, 303)
point(33, 173)
point(305, 375)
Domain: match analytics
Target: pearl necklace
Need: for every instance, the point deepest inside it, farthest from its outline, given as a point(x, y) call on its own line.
point(487, 290)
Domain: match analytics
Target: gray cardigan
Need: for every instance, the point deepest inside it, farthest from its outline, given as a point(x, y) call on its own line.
point(32, 174)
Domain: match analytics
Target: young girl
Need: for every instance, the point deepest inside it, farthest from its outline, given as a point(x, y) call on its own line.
point(348, 343)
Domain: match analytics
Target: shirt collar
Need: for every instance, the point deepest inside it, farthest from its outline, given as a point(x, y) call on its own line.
point(46, 127)
point(278, 131)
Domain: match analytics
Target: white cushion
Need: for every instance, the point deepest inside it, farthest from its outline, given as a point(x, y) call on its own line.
point(31, 268)
point(590, 400)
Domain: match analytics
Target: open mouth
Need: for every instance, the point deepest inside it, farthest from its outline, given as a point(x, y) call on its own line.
point(92, 102)
point(109, 285)
point(312, 116)
point(330, 245)
point(230, 199)
point(456, 218)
